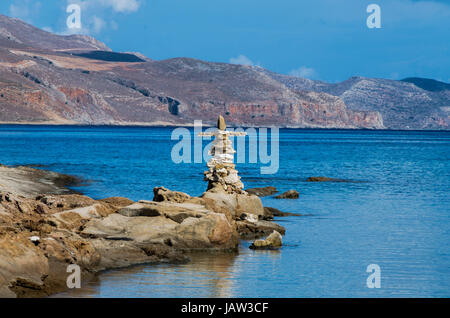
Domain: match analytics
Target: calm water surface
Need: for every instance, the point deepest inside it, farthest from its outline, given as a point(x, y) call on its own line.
point(398, 217)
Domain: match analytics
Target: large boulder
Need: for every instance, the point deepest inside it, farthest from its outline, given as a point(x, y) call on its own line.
point(201, 231)
point(233, 204)
point(291, 194)
point(211, 231)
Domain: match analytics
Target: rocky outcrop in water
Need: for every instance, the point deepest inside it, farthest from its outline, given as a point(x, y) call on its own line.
point(273, 241)
point(291, 194)
point(272, 212)
point(262, 192)
point(41, 234)
point(43, 230)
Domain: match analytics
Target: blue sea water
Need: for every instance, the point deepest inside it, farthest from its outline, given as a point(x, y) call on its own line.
point(396, 216)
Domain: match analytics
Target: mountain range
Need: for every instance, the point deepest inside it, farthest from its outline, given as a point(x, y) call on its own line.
point(53, 79)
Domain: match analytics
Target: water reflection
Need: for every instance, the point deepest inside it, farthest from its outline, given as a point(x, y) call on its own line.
point(207, 275)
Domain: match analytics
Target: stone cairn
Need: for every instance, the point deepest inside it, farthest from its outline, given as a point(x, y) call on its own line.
point(222, 172)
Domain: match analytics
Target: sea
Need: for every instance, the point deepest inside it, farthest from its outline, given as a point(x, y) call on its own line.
point(388, 223)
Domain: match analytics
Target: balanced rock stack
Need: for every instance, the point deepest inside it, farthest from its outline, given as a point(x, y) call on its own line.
point(222, 172)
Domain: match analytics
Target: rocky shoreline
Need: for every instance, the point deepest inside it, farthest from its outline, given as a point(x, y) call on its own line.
point(44, 227)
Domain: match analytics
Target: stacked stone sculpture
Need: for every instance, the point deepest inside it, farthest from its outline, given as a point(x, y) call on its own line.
point(221, 168)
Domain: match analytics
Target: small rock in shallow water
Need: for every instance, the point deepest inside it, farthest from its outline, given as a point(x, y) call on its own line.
point(262, 192)
point(291, 194)
point(275, 212)
point(273, 241)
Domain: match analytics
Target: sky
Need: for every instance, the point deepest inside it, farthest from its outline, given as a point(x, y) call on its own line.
point(326, 40)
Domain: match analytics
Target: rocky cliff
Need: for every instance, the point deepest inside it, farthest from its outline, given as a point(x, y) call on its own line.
point(47, 78)
point(413, 103)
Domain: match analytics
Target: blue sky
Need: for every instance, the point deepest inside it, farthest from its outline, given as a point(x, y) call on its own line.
point(319, 39)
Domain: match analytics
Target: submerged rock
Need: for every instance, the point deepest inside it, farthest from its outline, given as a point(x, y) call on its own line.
point(262, 192)
point(273, 241)
point(291, 194)
point(275, 212)
point(326, 179)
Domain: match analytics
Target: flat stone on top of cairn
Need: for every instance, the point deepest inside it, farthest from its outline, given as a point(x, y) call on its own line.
point(221, 125)
point(221, 171)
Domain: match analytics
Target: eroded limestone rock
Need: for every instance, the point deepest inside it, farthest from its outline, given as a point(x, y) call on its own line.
point(210, 230)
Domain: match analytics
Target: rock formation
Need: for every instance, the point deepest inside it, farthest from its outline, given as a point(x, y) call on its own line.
point(262, 192)
point(291, 194)
point(273, 241)
point(225, 190)
point(222, 172)
point(44, 227)
point(41, 233)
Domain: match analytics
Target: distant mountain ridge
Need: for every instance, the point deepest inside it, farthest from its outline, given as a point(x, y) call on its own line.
point(16, 31)
point(407, 104)
point(48, 78)
point(428, 84)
